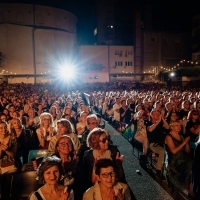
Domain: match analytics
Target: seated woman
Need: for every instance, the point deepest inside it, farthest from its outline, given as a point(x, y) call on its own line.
point(65, 151)
point(49, 173)
point(179, 162)
point(172, 117)
point(81, 126)
point(46, 130)
point(141, 134)
point(55, 114)
point(8, 149)
point(64, 127)
point(192, 126)
point(24, 140)
point(98, 141)
point(107, 186)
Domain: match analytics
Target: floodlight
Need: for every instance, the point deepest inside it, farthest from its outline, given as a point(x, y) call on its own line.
point(66, 73)
point(172, 74)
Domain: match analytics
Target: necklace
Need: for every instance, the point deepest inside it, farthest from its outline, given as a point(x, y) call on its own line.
point(177, 137)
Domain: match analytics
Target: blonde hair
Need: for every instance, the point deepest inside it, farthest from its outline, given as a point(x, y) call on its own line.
point(41, 119)
point(174, 123)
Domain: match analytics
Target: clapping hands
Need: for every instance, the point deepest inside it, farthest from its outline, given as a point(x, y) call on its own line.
point(3, 147)
point(64, 195)
point(187, 139)
point(119, 157)
point(119, 194)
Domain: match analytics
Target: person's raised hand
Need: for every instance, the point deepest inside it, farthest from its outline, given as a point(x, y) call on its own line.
point(187, 139)
point(119, 157)
point(3, 147)
point(64, 195)
point(120, 194)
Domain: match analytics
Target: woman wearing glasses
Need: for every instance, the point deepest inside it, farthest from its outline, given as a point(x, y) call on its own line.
point(64, 150)
point(98, 141)
point(107, 187)
point(64, 127)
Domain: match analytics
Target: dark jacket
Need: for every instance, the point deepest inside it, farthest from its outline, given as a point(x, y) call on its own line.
point(195, 171)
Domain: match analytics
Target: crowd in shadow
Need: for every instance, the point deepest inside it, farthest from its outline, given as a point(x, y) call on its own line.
point(82, 162)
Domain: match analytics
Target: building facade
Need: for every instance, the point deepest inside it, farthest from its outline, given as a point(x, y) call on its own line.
point(101, 63)
point(34, 41)
point(196, 39)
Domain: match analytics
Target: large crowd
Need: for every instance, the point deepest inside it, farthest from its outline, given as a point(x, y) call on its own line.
point(82, 161)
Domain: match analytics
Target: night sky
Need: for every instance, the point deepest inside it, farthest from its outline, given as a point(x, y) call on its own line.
point(167, 15)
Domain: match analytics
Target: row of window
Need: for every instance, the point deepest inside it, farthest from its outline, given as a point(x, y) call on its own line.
point(126, 53)
point(120, 63)
point(165, 40)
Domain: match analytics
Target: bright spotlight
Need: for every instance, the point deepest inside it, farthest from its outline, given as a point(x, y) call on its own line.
point(66, 73)
point(172, 74)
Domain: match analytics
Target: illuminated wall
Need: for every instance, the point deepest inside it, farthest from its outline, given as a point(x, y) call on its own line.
point(35, 39)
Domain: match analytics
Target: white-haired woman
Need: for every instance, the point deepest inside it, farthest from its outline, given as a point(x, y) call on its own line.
point(46, 130)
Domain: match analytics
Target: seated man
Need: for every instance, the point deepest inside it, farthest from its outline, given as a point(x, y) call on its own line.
point(156, 134)
point(91, 123)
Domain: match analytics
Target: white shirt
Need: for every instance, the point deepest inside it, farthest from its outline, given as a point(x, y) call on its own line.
point(33, 197)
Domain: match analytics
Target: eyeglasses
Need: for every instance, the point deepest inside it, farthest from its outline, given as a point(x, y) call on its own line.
point(64, 144)
point(93, 123)
point(104, 140)
point(106, 175)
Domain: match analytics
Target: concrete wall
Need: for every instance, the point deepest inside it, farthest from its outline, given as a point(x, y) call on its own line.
point(93, 77)
point(35, 40)
point(52, 50)
point(27, 14)
point(167, 51)
point(126, 55)
point(16, 46)
point(93, 55)
point(107, 56)
point(25, 80)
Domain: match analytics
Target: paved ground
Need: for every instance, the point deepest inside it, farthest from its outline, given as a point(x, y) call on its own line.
point(144, 186)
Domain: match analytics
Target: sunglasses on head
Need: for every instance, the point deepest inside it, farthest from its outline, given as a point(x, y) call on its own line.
point(104, 140)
